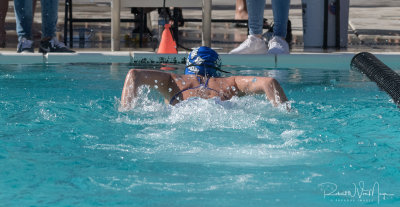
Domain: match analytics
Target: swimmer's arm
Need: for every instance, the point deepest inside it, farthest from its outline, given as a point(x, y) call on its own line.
point(138, 77)
point(269, 86)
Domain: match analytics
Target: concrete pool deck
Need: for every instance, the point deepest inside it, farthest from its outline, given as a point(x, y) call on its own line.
point(374, 26)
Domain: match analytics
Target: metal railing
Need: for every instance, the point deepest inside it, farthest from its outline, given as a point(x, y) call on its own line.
point(115, 23)
point(116, 18)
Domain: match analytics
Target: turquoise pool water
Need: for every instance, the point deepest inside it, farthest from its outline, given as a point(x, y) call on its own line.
point(63, 142)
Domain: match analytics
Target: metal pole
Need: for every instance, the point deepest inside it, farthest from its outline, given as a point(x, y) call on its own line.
point(71, 28)
point(115, 24)
point(66, 22)
point(337, 28)
point(141, 27)
point(206, 36)
point(325, 40)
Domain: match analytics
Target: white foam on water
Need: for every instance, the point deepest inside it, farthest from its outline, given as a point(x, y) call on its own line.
point(244, 155)
point(290, 137)
point(7, 76)
point(196, 130)
point(120, 148)
point(46, 111)
point(145, 101)
point(309, 178)
point(200, 115)
point(47, 115)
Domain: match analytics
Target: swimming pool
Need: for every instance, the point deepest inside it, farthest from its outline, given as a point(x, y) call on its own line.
point(63, 141)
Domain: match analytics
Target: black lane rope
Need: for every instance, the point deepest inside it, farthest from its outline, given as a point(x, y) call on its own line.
point(387, 79)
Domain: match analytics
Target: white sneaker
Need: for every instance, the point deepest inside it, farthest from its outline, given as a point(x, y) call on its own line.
point(252, 45)
point(278, 45)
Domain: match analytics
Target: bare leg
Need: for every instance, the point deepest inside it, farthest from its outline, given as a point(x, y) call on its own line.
point(3, 14)
point(241, 10)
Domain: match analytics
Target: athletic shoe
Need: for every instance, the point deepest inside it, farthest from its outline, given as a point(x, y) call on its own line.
point(25, 46)
point(278, 45)
point(252, 45)
point(53, 45)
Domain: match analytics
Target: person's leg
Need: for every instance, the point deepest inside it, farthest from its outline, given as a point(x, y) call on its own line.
point(23, 15)
point(255, 9)
point(278, 44)
point(34, 7)
point(49, 18)
point(254, 44)
point(49, 42)
point(3, 14)
point(280, 9)
point(36, 32)
point(241, 10)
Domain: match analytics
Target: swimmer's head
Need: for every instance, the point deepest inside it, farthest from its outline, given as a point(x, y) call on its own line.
point(203, 61)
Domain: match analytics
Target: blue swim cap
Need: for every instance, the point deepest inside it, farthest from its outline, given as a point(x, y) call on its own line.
point(203, 61)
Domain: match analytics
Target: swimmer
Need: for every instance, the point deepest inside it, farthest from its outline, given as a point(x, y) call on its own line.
point(201, 79)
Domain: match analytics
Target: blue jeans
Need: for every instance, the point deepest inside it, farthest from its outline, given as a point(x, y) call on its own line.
point(24, 17)
point(280, 9)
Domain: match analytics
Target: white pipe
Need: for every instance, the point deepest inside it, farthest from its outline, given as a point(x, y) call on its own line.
point(115, 24)
point(206, 36)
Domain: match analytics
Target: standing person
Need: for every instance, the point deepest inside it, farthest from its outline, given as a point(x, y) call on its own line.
point(255, 43)
point(24, 18)
point(3, 14)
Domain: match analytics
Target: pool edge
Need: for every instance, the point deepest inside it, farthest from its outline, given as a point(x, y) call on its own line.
point(294, 60)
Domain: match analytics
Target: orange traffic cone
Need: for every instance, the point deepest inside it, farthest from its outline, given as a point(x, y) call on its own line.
point(167, 44)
